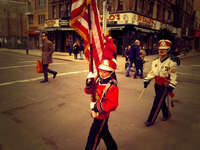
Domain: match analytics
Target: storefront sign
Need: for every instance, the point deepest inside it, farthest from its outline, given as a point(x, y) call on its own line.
point(51, 23)
point(64, 23)
point(66, 29)
point(131, 18)
point(111, 17)
point(146, 22)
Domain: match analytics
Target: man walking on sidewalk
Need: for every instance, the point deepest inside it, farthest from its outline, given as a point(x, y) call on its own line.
point(47, 51)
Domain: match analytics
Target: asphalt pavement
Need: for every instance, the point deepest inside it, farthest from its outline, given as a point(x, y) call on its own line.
point(32, 142)
point(120, 59)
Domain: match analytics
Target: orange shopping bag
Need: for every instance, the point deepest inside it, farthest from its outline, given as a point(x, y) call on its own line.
point(39, 67)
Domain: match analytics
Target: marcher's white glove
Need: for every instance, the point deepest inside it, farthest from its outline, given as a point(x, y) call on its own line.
point(94, 114)
point(90, 80)
point(92, 105)
point(90, 75)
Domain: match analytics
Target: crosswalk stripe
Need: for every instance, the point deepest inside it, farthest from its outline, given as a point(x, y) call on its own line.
point(28, 61)
point(189, 74)
point(13, 67)
point(21, 66)
point(39, 78)
point(195, 65)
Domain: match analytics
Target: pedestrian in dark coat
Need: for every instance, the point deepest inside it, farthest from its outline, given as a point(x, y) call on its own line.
point(133, 56)
point(81, 51)
point(47, 51)
point(76, 50)
point(126, 53)
point(140, 62)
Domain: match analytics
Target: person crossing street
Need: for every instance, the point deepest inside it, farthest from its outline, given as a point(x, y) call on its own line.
point(47, 51)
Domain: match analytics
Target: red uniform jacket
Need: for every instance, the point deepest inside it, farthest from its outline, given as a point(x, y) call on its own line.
point(109, 102)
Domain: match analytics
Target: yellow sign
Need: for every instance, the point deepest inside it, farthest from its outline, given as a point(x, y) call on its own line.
point(52, 23)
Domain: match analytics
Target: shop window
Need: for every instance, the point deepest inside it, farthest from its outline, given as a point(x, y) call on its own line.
point(30, 5)
point(40, 4)
point(68, 10)
point(41, 19)
point(151, 5)
point(140, 4)
point(136, 5)
point(54, 12)
point(143, 7)
point(163, 15)
point(110, 7)
point(146, 7)
point(61, 9)
point(120, 5)
point(169, 16)
point(30, 19)
point(158, 12)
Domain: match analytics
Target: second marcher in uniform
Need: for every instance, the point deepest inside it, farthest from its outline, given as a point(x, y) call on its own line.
point(164, 72)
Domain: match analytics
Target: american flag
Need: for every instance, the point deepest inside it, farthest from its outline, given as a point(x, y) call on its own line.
point(79, 21)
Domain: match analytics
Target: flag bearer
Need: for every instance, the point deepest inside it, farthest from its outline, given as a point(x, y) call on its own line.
point(106, 93)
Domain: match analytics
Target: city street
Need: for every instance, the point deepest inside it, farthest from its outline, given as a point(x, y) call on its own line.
point(55, 115)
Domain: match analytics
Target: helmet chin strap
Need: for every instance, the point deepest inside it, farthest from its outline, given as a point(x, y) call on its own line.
point(163, 54)
point(106, 77)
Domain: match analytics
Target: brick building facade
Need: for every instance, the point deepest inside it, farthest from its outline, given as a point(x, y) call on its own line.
point(197, 25)
point(36, 14)
point(126, 19)
point(13, 25)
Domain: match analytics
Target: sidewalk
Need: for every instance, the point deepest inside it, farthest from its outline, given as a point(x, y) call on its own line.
point(120, 60)
point(37, 52)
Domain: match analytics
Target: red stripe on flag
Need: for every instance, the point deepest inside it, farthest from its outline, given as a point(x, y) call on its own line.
point(79, 21)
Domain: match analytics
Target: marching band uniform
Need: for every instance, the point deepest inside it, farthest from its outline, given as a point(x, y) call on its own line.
point(164, 73)
point(107, 92)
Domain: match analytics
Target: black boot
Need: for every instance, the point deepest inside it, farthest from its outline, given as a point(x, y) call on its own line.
point(147, 124)
point(168, 117)
point(141, 76)
point(45, 75)
point(52, 72)
point(54, 75)
point(43, 81)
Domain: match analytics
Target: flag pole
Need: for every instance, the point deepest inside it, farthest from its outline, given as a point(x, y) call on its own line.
point(91, 54)
point(90, 41)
